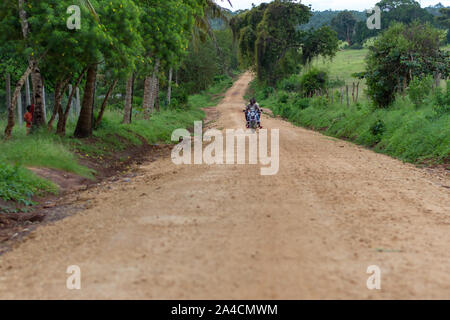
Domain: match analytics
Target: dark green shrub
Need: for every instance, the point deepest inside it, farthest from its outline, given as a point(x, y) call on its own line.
point(313, 80)
point(300, 103)
point(283, 98)
point(179, 97)
point(291, 84)
point(356, 46)
point(268, 91)
point(378, 129)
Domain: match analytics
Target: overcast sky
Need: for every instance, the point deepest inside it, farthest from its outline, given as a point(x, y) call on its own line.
point(321, 5)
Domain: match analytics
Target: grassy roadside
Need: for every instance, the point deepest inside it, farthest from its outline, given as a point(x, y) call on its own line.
point(418, 135)
point(47, 150)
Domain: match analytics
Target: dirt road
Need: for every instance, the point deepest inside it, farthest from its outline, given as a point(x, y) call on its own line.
point(199, 232)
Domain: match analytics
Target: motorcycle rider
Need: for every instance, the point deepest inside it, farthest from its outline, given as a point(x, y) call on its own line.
point(253, 106)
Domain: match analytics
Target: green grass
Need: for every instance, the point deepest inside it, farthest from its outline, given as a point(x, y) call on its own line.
point(212, 96)
point(344, 64)
point(417, 135)
point(45, 149)
point(19, 184)
point(41, 150)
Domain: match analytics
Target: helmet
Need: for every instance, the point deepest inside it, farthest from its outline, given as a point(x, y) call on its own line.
point(252, 100)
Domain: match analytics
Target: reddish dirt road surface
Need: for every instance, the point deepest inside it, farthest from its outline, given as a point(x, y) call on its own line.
point(226, 232)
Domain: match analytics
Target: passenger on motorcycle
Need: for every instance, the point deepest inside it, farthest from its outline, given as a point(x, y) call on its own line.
point(253, 106)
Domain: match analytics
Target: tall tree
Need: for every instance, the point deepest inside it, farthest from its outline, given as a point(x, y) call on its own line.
point(344, 24)
point(271, 42)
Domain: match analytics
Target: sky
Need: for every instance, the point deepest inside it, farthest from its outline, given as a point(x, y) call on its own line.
point(321, 5)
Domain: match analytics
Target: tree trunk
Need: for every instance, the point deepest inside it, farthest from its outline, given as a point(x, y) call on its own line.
point(64, 114)
point(127, 111)
point(44, 104)
point(169, 89)
point(437, 79)
point(147, 96)
point(84, 124)
point(72, 105)
point(38, 89)
point(13, 103)
point(57, 110)
point(77, 102)
point(105, 101)
point(27, 91)
point(150, 85)
point(8, 89)
point(156, 95)
point(348, 36)
point(36, 78)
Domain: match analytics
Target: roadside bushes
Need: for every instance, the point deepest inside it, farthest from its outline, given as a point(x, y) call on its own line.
point(401, 53)
point(291, 84)
point(313, 80)
point(414, 134)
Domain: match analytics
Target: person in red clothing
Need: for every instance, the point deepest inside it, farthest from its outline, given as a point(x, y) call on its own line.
point(28, 117)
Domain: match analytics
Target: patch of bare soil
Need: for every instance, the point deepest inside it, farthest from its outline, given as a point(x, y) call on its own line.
point(122, 165)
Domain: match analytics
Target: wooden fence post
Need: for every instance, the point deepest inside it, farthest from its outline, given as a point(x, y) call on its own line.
point(353, 93)
point(346, 90)
point(342, 95)
point(357, 92)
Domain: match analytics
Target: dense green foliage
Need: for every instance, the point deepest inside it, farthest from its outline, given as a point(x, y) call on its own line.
point(400, 11)
point(312, 81)
point(271, 42)
point(134, 60)
point(344, 24)
point(401, 53)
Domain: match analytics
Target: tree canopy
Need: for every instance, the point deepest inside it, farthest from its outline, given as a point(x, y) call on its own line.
point(271, 42)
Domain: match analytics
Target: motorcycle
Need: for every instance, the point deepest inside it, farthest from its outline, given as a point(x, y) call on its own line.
point(252, 119)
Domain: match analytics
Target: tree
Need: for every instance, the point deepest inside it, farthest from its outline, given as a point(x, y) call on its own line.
point(344, 24)
point(271, 42)
point(166, 30)
point(401, 53)
point(116, 52)
point(393, 11)
point(444, 21)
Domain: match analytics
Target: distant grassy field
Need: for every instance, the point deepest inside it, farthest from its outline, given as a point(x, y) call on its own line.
point(345, 63)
